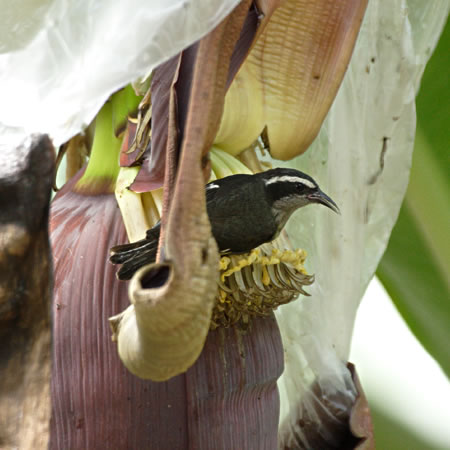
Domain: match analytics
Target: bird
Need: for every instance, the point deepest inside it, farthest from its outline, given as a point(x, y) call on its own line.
point(245, 211)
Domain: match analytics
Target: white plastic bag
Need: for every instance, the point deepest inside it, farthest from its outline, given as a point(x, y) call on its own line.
point(361, 158)
point(61, 59)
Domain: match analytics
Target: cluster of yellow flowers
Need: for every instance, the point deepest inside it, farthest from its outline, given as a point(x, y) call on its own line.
point(256, 283)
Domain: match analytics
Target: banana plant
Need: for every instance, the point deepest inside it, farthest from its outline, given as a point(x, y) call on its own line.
point(259, 87)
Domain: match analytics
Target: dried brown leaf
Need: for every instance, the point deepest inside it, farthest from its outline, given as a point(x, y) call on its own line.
point(361, 424)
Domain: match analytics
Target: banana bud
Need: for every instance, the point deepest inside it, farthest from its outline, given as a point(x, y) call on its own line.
point(291, 76)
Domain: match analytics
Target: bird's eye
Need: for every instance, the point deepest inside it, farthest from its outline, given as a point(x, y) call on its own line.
point(300, 187)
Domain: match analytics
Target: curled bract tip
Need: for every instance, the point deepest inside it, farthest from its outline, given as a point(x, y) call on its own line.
point(162, 333)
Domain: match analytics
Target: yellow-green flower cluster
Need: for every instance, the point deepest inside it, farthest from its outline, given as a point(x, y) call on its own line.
point(256, 283)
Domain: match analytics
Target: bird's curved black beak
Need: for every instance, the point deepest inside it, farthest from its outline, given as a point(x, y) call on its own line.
point(323, 199)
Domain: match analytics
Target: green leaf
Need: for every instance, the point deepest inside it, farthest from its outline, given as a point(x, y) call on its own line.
point(415, 269)
point(393, 435)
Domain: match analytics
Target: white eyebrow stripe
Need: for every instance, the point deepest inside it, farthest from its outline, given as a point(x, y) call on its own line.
point(212, 186)
point(293, 179)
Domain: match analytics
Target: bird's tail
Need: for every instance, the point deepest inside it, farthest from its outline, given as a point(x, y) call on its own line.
point(133, 256)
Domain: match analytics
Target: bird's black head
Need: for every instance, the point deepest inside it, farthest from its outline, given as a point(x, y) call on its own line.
point(290, 189)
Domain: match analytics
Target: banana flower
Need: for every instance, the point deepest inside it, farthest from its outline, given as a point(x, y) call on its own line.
point(269, 71)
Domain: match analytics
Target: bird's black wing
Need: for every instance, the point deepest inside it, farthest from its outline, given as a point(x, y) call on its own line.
point(132, 265)
point(237, 205)
point(136, 254)
point(226, 186)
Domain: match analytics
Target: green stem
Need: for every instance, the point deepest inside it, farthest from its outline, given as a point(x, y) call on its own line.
point(125, 102)
point(103, 166)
